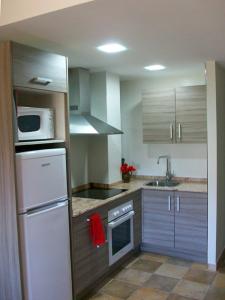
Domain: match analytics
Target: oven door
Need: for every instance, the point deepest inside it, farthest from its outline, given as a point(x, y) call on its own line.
point(120, 237)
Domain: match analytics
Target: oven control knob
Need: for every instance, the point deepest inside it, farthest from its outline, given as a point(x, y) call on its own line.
point(116, 213)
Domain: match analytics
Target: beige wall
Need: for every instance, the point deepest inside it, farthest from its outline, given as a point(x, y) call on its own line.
point(212, 160)
point(17, 10)
point(220, 100)
point(216, 160)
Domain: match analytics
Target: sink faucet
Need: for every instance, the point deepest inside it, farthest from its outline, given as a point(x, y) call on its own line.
point(169, 175)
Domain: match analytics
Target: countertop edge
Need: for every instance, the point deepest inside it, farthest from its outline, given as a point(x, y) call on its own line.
point(140, 185)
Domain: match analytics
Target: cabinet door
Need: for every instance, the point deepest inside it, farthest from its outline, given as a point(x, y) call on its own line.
point(34, 68)
point(89, 262)
point(191, 222)
point(159, 116)
point(191, 126)
point(158, 218)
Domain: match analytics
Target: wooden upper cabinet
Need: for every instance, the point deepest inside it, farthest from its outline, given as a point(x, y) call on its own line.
point(159, 116)
point(175, 116)
point(34, 68)
point(191, 114)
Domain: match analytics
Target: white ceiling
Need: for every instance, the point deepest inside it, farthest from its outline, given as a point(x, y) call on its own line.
point(179, 34)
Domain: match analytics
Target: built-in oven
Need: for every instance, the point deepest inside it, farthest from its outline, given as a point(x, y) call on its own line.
point(120, 231)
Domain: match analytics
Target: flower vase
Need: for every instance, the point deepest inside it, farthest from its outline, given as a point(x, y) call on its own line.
point(126, 177)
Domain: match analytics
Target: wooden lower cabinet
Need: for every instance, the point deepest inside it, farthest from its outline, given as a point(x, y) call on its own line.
point(137, 219)
point(191, 222)
point(175, 223)
point(158, 218)
point(91, 264)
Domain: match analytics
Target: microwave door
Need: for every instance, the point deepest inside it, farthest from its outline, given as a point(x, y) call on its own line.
point(29, 126)
point(35, 123)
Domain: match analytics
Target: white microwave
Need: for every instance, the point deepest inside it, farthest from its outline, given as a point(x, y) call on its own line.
point(35, 123)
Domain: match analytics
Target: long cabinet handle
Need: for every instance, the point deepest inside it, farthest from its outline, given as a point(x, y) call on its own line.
point(41, 80)
point(169, 203)
point(179, 131)
point(178, 204)
point(171, 131)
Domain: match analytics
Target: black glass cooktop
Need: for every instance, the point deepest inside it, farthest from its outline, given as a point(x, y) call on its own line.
point(98, 193)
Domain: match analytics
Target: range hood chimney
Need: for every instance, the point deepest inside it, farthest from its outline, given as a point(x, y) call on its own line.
point(81, 120)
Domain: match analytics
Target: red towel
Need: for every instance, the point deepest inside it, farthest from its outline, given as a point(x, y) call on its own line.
point(97, 233)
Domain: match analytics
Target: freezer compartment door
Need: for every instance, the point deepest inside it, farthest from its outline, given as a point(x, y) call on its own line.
point(41, 178)
point(45, 251)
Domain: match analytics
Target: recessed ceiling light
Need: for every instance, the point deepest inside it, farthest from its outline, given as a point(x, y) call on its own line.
point(112, 48)
point(155, 68)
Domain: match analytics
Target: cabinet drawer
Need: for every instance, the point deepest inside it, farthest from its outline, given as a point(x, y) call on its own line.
point(34, 68)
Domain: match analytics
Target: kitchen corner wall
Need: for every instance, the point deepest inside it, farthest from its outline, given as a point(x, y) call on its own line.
point(105, 151)
point(186, 160)
point(114, 119)
point(97, 158)
point(79, 146)
point(216, 161)
point(220, 109)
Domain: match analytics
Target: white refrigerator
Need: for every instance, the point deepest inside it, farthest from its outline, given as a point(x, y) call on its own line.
point(44, 224)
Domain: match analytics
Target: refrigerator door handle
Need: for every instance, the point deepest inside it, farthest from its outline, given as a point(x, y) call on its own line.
point(45, 209)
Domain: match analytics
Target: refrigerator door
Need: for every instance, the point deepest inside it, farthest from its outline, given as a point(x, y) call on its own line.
point(45, 251)
point(41, 177)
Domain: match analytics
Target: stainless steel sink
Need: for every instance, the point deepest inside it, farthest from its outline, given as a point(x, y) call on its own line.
point(161, 183)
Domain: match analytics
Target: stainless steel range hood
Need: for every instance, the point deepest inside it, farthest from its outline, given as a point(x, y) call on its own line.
point(87, 124)
point(81, 121)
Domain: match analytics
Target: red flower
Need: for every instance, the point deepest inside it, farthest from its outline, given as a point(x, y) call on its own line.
point(131, 168)
point(127, 169)
point(124, 168)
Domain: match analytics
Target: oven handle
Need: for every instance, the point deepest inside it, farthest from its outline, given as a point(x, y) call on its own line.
point(121, 220)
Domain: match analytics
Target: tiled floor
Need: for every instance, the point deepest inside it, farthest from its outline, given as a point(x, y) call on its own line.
point(156, 277)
